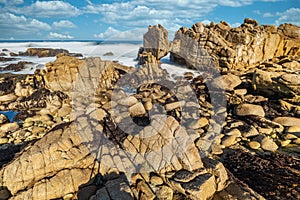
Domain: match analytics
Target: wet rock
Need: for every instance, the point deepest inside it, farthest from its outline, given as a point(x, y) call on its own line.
point(16, 67)
point(108, 54)
point(43, 52)
point(6, 59)
point(249, 109)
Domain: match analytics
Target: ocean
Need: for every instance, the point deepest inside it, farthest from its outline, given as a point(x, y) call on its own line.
point(125, 52)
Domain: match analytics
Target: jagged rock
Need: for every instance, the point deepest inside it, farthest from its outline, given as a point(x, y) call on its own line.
point(239, 47)
point(276, 84)
point(156, 41)
point(23, 90)
point(73, 73)
point(60, 155)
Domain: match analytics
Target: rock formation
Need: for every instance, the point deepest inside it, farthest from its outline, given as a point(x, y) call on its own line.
point(228, 48)
point(94, 129)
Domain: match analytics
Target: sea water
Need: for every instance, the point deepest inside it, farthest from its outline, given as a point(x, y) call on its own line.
point(125, 52)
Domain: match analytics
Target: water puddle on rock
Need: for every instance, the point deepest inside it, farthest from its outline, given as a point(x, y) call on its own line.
point(10, 114)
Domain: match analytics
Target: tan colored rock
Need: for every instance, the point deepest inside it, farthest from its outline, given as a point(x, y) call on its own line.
point(249, 109)
point(9, 127)
point(137, 110)
point(128, 101)
point(60, 155)
point(200, 123)
point(290, 136)
point(148, 105)
point(235, 132)
point(268, 144)
point(234, 47)
point(64, 110)
point(165, 193)
point(284, 143)
point(98, 114)
point(3, 119)
point(295, 130)
point(156, 180)
point(156, 41)
point(173, 105)
point(250, 132)
point(8, 98)
point(228, 140)
point(226, 82)
point(37, 130)
point(201, 187)
point(23, 91)
point(254, 145)
point(145, 191)
point(4, 140)
point(287, 121)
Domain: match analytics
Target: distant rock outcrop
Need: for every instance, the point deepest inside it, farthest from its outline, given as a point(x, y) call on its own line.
point(227, 48)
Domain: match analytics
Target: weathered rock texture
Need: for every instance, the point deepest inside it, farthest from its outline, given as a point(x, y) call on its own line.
point(224, 47)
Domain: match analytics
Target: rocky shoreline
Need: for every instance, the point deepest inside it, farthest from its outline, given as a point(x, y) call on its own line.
point(93, 129)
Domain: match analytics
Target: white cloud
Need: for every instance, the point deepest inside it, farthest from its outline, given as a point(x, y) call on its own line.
point(114, 34)
point(234, 25)
point(169, 13)
point(12, 2)
point(60, 36)
point(64, 24)
point(58, 9)
point(268, 14)
point(291, 15)
point(17, 25)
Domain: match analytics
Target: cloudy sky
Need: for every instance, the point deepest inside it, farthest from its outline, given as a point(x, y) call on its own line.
point(128, 19)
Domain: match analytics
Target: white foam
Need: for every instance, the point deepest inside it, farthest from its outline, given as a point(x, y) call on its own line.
point(124, 53)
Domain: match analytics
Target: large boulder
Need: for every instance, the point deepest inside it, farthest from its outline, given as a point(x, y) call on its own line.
point(156, 41)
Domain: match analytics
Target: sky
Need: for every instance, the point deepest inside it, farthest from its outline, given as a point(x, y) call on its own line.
point(129, 19)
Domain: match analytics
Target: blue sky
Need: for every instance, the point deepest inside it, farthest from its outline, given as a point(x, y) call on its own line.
point(129, 19)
